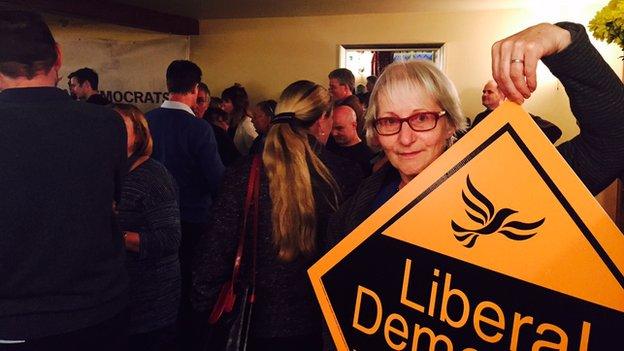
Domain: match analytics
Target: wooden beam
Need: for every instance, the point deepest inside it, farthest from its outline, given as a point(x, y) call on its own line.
point(116, 13)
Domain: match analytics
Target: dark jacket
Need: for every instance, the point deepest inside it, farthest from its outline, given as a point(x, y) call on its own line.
point(286, 305)
point(552, 132)
point(62, 257)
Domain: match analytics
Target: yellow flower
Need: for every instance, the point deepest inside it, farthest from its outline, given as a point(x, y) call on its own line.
point(608, 24)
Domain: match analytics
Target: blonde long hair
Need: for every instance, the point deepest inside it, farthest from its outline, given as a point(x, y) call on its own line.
point(287, 157)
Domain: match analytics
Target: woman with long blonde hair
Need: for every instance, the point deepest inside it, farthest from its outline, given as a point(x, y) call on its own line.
point(301, 186)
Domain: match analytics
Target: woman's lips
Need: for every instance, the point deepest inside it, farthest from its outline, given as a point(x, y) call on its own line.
point(410, 154)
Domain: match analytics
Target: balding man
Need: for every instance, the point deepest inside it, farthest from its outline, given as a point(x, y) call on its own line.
point(347, 142)
point(491, 98)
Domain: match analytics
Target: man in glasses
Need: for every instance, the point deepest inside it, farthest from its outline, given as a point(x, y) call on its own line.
point(341, 87)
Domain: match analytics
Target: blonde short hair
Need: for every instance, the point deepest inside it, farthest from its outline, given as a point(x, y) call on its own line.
point(413, 75)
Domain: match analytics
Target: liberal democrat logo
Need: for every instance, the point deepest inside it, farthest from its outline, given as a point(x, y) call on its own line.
point(491, 221)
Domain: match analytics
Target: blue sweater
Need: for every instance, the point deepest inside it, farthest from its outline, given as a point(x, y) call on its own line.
point(186, 145)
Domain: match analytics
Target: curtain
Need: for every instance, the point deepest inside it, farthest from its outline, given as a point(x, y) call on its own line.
point(380, 60)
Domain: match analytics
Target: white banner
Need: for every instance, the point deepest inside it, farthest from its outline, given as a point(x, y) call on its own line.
point(130, 72)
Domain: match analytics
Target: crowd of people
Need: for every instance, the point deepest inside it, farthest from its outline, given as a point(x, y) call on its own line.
point(120, 227)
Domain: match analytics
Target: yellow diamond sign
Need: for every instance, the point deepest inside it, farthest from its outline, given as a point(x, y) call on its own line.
point(495, 246)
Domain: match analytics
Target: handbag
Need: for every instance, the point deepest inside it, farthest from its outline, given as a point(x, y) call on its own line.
point(230, 317)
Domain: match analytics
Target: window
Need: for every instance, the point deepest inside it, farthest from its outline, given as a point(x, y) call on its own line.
point(367, 60)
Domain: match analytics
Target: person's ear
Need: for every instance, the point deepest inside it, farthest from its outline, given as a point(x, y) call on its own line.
point(59, 57)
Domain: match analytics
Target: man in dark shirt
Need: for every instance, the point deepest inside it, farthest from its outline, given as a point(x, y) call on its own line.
point(83, 85)
point(341, 85)
point(186, 145)
point(61, 162)
point(347, 142)
point(492, 97)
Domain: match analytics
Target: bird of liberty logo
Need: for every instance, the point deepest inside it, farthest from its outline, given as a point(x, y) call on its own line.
point(487, 220)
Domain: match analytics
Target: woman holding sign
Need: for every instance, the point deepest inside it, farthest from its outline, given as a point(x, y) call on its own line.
point(404, 92)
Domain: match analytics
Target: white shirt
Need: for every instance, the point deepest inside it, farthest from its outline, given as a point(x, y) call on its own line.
point(245, 135)
point(174, 105)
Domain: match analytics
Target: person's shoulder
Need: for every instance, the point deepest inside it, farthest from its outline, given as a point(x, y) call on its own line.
point(155, 174)
point(364, 149)
point(98, 99)
point(343, 169)
point(99, 114)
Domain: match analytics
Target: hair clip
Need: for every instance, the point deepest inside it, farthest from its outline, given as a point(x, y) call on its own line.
point(284, 117)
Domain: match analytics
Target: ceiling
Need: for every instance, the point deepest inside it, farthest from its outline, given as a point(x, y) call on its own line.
point(207, 9)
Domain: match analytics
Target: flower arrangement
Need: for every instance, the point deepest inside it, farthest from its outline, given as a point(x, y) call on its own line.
point(608, 24)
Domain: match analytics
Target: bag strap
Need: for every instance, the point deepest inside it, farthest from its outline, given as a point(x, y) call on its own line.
point(252, 295)
point(253, 186)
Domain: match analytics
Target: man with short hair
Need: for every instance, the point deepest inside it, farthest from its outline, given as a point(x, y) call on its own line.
point(491, 98)
point(341, 86)
point(347, 142)
point(62, 257)
point(203, 100)
point(83, 86)
point(186, 145)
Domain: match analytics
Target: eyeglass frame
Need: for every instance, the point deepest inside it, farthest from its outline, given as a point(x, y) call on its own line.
point(437, 114)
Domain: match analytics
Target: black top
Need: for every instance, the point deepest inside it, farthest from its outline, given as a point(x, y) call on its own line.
point(286, 305)
point(257, 147)
point(148, 206)
point(98, 99)
point(227, 150)
point(62, 257)
point(597, 101)
point(359, 153)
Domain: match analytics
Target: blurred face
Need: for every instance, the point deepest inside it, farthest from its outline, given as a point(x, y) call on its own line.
point(227, 106)
point(260, 120)
point(321, 129)
point(344, 129)
point(131, 135)
point(369, 86)
point(201, 103)
point(491, 97)
point(76, 90)
point(337, 90)
point(408, 151)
